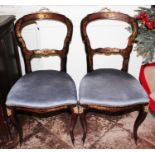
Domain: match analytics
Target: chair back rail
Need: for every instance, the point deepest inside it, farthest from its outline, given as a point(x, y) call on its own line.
point(125, 53)
point(29, 54)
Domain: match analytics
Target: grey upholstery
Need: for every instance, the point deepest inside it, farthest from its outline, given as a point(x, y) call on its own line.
point(111, 87)
point(43, 89)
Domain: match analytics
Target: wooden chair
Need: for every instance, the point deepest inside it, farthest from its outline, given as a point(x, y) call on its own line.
point(110, 91)
point(43, 91)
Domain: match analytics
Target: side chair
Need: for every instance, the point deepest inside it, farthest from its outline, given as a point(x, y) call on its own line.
point(43, 91)
point(110, 91)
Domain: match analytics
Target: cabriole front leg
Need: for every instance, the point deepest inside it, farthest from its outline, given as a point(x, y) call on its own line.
point(16, 124)
point(140, 118)
point(82, 114)
point(74, 116)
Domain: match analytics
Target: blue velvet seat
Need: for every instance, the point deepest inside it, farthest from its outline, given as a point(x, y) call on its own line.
point(43, 89)
point(112, 88)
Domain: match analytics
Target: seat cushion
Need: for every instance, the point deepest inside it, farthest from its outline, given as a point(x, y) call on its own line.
point(111, 87)
point(43, 89)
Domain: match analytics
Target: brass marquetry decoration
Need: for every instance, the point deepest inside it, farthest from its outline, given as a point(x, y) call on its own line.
point(76, 110)
point(146, 108)
point(80, 109)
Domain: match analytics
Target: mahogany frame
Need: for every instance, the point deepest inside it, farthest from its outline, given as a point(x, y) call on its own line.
point(125, 53)
point(29, 54)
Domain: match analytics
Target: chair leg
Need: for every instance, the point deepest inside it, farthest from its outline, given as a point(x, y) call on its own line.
point(74, 116)
point(5, 135)
point(8, 126)
point(8, 129)
point(140, 118)
point(83, 121)
point(17, 126)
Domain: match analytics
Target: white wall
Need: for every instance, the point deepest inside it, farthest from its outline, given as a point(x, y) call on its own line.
point(101, 34)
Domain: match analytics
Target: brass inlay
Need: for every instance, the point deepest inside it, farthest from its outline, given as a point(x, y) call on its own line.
point(81, 109)
point(9, 112)
point(75, 109)
point(78, 109)
point(45, 52)
point(146, 108)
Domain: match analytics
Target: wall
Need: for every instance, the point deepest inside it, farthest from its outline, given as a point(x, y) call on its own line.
point(102, 34)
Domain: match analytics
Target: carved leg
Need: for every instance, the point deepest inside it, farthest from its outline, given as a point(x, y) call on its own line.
point(4, 127)
point(9, 122)
point(5, 132)
point(8, 128)
point(17, 126)
point(140, 118)
point(82, 114)
point(74, 116)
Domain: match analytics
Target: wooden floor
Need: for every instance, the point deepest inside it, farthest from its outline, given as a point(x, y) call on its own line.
point(103, 132)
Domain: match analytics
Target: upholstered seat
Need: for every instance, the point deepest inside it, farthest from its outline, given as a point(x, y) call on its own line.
point(43, 89)
point(111, 87)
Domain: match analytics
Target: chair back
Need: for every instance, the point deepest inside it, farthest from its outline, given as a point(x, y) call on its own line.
point(125, 53)
point(29, 54)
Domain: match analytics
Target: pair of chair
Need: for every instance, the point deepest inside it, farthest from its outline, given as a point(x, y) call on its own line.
point(111, 91)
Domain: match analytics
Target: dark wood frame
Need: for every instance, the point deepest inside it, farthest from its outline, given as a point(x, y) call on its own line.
point(29, 54)
point(125, 53)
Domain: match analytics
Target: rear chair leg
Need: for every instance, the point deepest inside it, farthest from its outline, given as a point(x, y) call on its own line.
point(140, 118)
point(74, 116)
point(17, 125)
point(8, 122)
point(82, 114)
point(5, 135)
point(8, 129)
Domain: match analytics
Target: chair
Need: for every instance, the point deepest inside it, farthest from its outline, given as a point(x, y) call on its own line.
point(43, 91)
point(147, 79)
point(110, 91)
